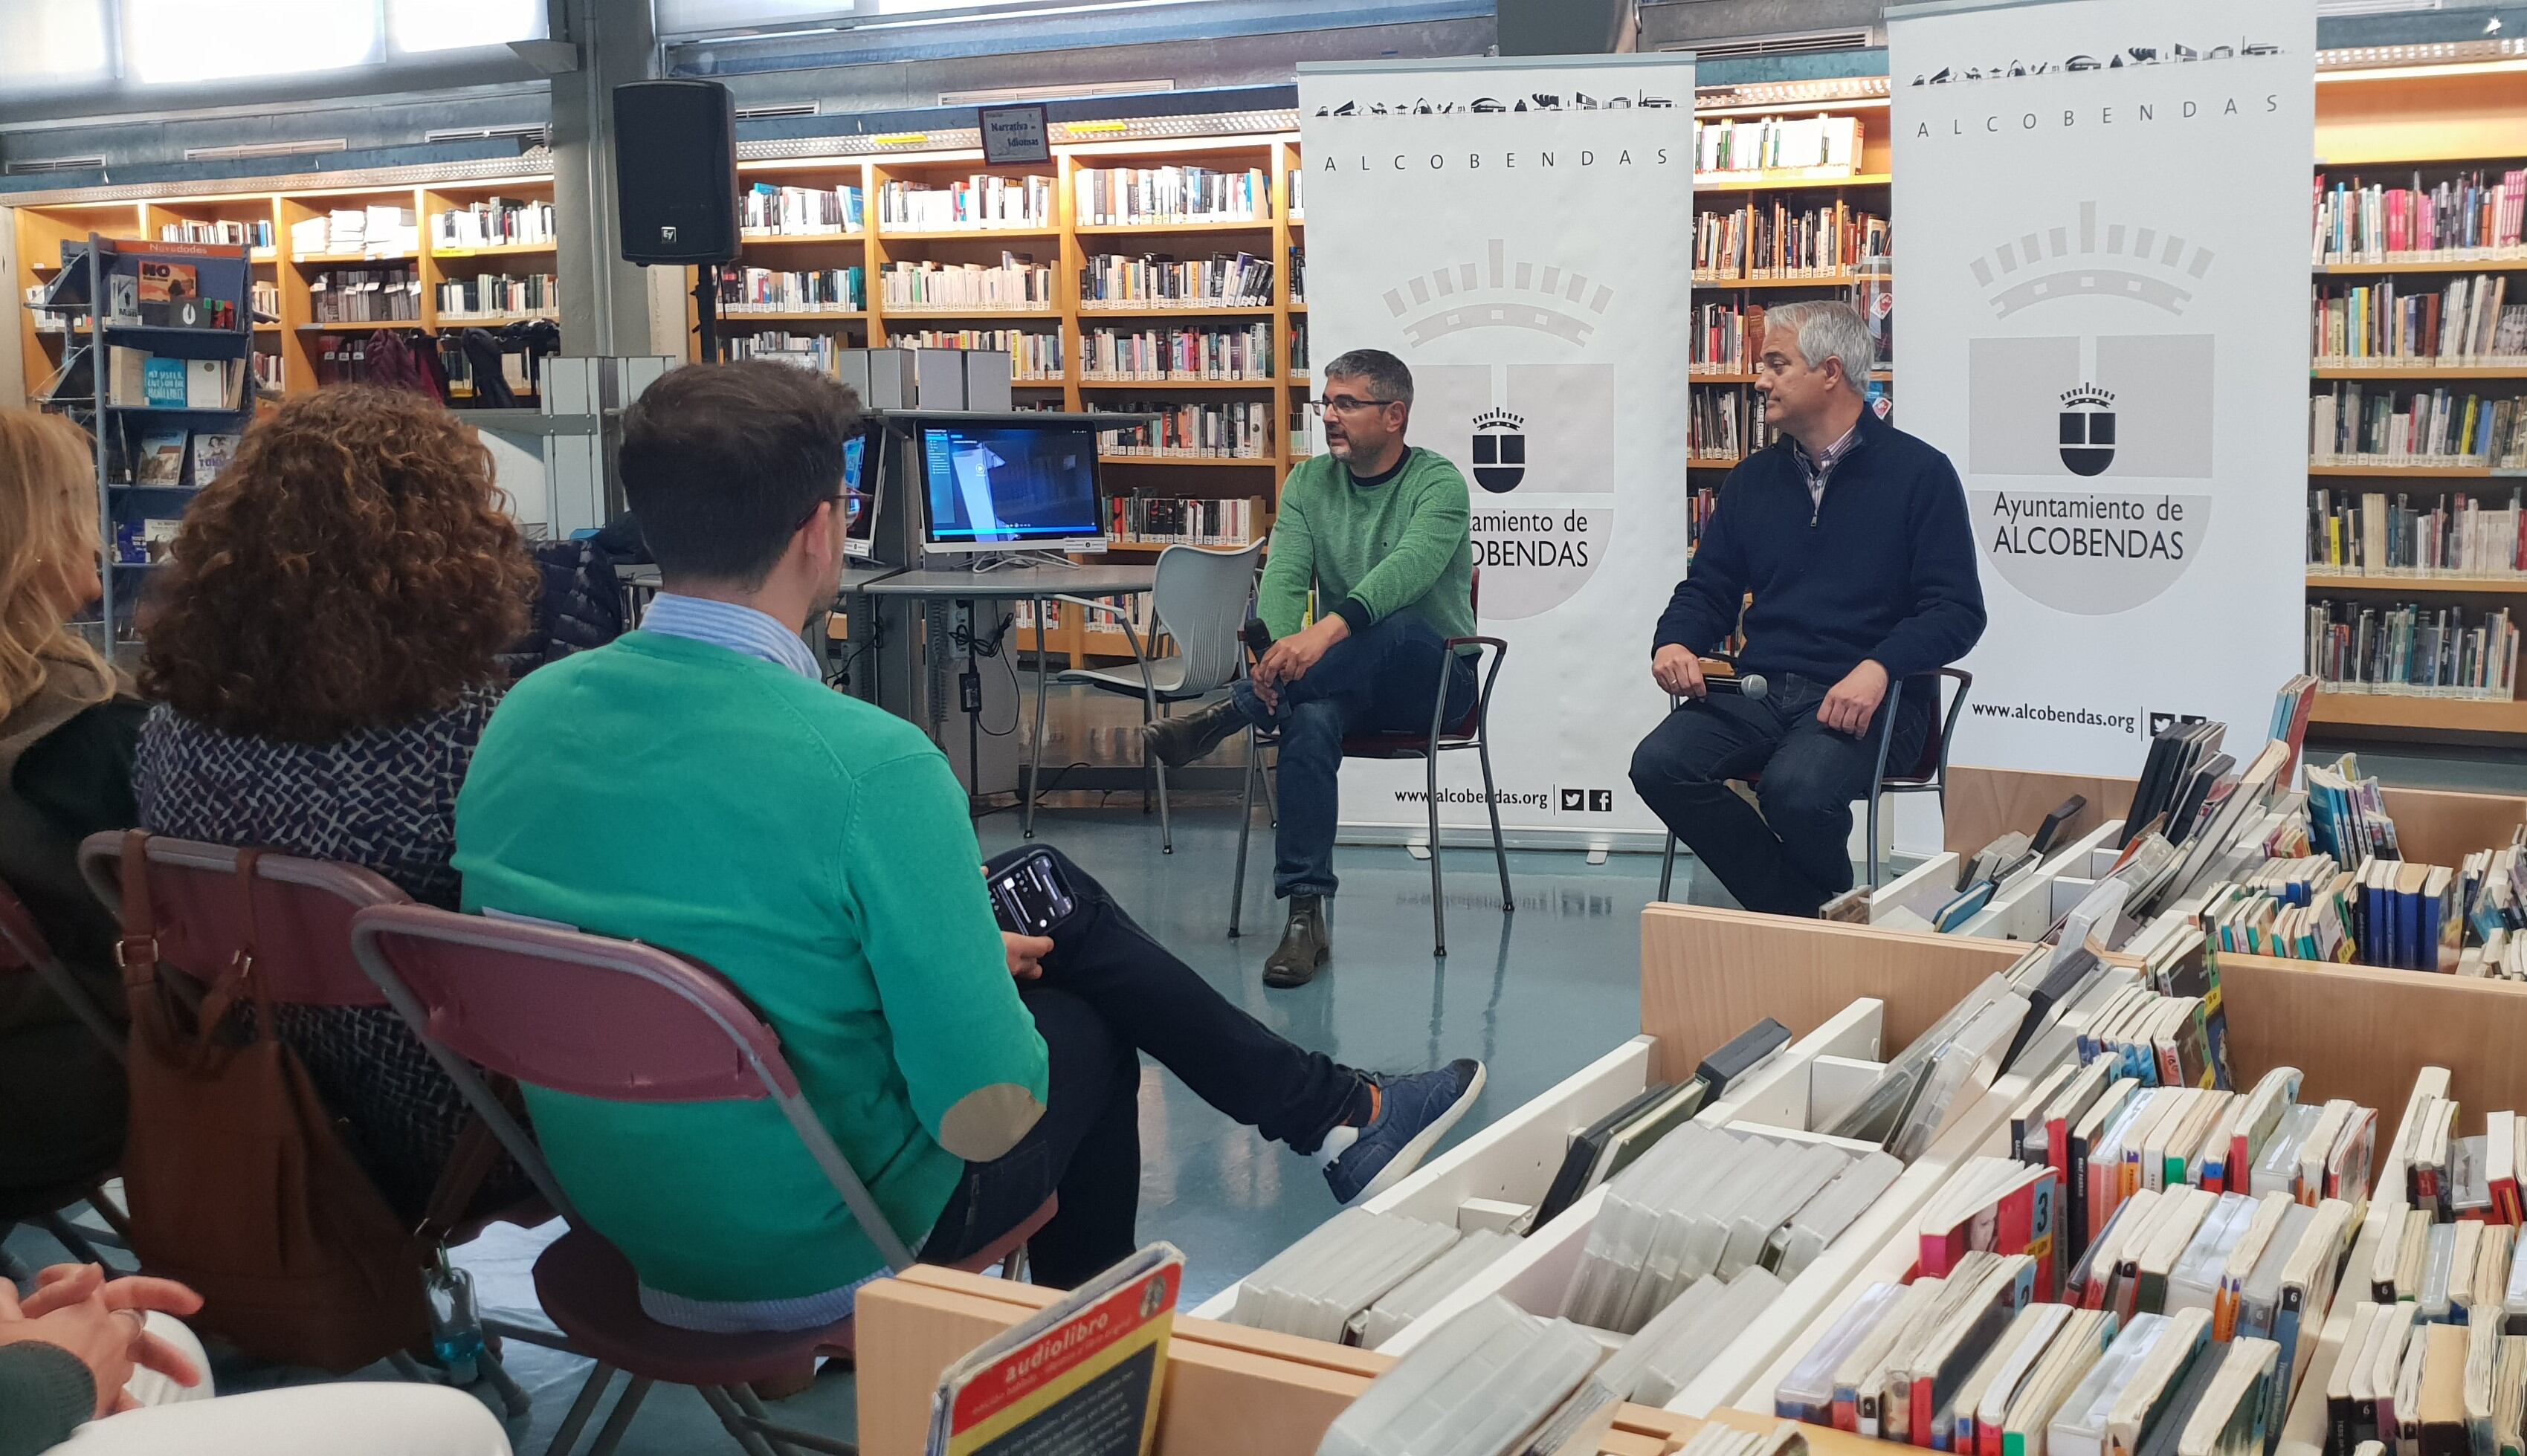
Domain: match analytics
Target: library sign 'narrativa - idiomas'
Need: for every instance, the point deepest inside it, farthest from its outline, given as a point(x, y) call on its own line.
point(2103, 223)
point(1500, 226)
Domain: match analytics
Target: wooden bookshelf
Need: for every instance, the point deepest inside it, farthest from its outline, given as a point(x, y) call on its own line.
point(2437, 265)
point(2319, 582)
point(2428, 372)
point(2443, 714)
point(2412, 472)
point(1065, 247)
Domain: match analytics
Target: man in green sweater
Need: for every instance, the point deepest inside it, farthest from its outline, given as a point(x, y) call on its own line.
point(694, 785)
point(1379, 530)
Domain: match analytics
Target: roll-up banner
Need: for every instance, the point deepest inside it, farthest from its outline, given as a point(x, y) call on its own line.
point(1521, 233)
point(2102, 226)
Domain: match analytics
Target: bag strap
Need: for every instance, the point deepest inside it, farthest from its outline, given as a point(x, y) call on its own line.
point(136, 953)
point(470, 1160)
point(239, 975)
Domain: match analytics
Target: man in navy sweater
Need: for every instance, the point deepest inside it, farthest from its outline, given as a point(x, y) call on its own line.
point(1852, 537)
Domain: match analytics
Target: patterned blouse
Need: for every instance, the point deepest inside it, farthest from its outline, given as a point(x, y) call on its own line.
point(383, 798)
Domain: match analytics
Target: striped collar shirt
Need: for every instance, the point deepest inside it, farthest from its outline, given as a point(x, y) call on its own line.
point(730, 626)
point(1820, 468)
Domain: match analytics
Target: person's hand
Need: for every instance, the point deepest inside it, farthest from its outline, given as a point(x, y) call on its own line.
point(1293, 655)
point(1026, 953)
point(1678, 671)
point(102, 1322)
point(1855, 700)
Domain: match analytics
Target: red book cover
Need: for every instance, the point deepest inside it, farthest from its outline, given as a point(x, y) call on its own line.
point(1923, 1395)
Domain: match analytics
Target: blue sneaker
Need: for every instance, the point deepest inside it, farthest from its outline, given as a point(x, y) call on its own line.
point(1413, 1113)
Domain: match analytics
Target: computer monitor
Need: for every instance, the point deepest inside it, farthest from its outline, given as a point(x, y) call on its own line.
point(860, 497)
point(1001, 486)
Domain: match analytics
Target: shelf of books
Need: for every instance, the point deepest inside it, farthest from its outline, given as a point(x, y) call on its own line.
point(334, 267)
point(156, 349)
point(1784, 208)
point(1153, 275)
point(2418, 404)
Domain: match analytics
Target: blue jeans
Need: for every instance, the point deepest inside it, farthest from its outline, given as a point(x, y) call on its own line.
point(1795, 855)
point(1382, 681)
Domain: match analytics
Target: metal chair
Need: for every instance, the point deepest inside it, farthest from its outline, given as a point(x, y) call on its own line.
point(299, 933)
point(623, 1022)
point(1199, 600)
point(1469, 731)
point(23, 948)
point(1927, 774)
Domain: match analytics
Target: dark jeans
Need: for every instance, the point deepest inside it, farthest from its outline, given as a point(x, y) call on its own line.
point(1382, 681)
point(1796, 854)
point(1109, 992)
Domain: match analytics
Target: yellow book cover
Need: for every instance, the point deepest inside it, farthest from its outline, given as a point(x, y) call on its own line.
point(1082, 1377)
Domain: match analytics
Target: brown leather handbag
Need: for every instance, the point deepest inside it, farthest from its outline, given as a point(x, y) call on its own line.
point(239, 1183)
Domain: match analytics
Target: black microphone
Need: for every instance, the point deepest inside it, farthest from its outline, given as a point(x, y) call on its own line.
point(1745, 684)
point(1258, 637)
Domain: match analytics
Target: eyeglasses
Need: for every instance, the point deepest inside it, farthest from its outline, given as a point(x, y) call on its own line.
point(1344, 404)
point(822, 501)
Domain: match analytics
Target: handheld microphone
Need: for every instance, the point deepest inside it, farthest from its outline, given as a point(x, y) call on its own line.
point(1744, 684)
point(1258, 637)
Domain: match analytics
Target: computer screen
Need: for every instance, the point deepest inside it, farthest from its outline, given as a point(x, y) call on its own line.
point(987, 486)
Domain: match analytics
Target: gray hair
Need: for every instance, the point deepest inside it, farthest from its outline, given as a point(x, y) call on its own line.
point(1384, 372)
point(1828, 329)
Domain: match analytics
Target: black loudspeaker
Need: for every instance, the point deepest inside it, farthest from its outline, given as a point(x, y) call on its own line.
point(675, 170)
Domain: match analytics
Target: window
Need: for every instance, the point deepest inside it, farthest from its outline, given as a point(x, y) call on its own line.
point(419, 26)
point(50, 45)
point(207, 40)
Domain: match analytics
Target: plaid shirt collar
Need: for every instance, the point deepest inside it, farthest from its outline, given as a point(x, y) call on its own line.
point(1820, 468)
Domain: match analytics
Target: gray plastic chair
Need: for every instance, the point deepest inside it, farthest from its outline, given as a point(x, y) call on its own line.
point(1201, 600)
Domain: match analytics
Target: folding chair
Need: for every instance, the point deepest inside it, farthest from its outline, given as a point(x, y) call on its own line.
point(300, 934)
point(23, 948)
point(1927, 774)
point(623, 1022)
point(1198, 599)
point(1469, 731)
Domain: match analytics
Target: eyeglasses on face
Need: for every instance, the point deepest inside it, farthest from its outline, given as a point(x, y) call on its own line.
point(1344, 404)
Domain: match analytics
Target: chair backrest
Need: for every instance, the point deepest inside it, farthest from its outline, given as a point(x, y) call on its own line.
point(1927, 765)
point(590, 1015)
point(302, 911)
point(1199, 597)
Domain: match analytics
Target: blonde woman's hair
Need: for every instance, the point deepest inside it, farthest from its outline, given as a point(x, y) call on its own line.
point(47, 518)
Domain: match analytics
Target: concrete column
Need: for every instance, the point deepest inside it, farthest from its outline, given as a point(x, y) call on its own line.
point(605, 307)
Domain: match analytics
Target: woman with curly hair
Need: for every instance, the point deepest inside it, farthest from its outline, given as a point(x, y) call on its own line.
point(323, 650)
point(68, 724)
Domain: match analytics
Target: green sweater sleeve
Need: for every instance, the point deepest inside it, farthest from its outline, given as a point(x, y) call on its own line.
point(1290, 567)
point(968, 1048)
point(1437, 522)
point(45, 1394)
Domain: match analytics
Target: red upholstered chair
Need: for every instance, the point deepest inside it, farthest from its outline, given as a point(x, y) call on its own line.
point(1927, 774)
point(1471, 731)
point(617, 1020)
point(24, 950)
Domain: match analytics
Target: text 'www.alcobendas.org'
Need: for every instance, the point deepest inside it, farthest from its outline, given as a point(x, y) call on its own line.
point(2123, 722)
point(1473, 796)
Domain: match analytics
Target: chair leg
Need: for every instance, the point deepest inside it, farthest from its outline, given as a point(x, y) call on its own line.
point(1438, 900)
point(733, 1419)
point(1167, 826)
point(1035, 755)
point(1015, 1267)
point(81, 1250)
point(581, 1409)
point(619, 1422)
point(785, 1441)
point(1500, 846)
point(1245, 829)
point(1873, 797)
point(513, 1397)
point(1667, 868)
point(1272, 797)
point(402, 1363)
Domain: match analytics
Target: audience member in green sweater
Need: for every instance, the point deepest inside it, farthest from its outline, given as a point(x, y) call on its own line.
point(694, 785)
point(1379, 530)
